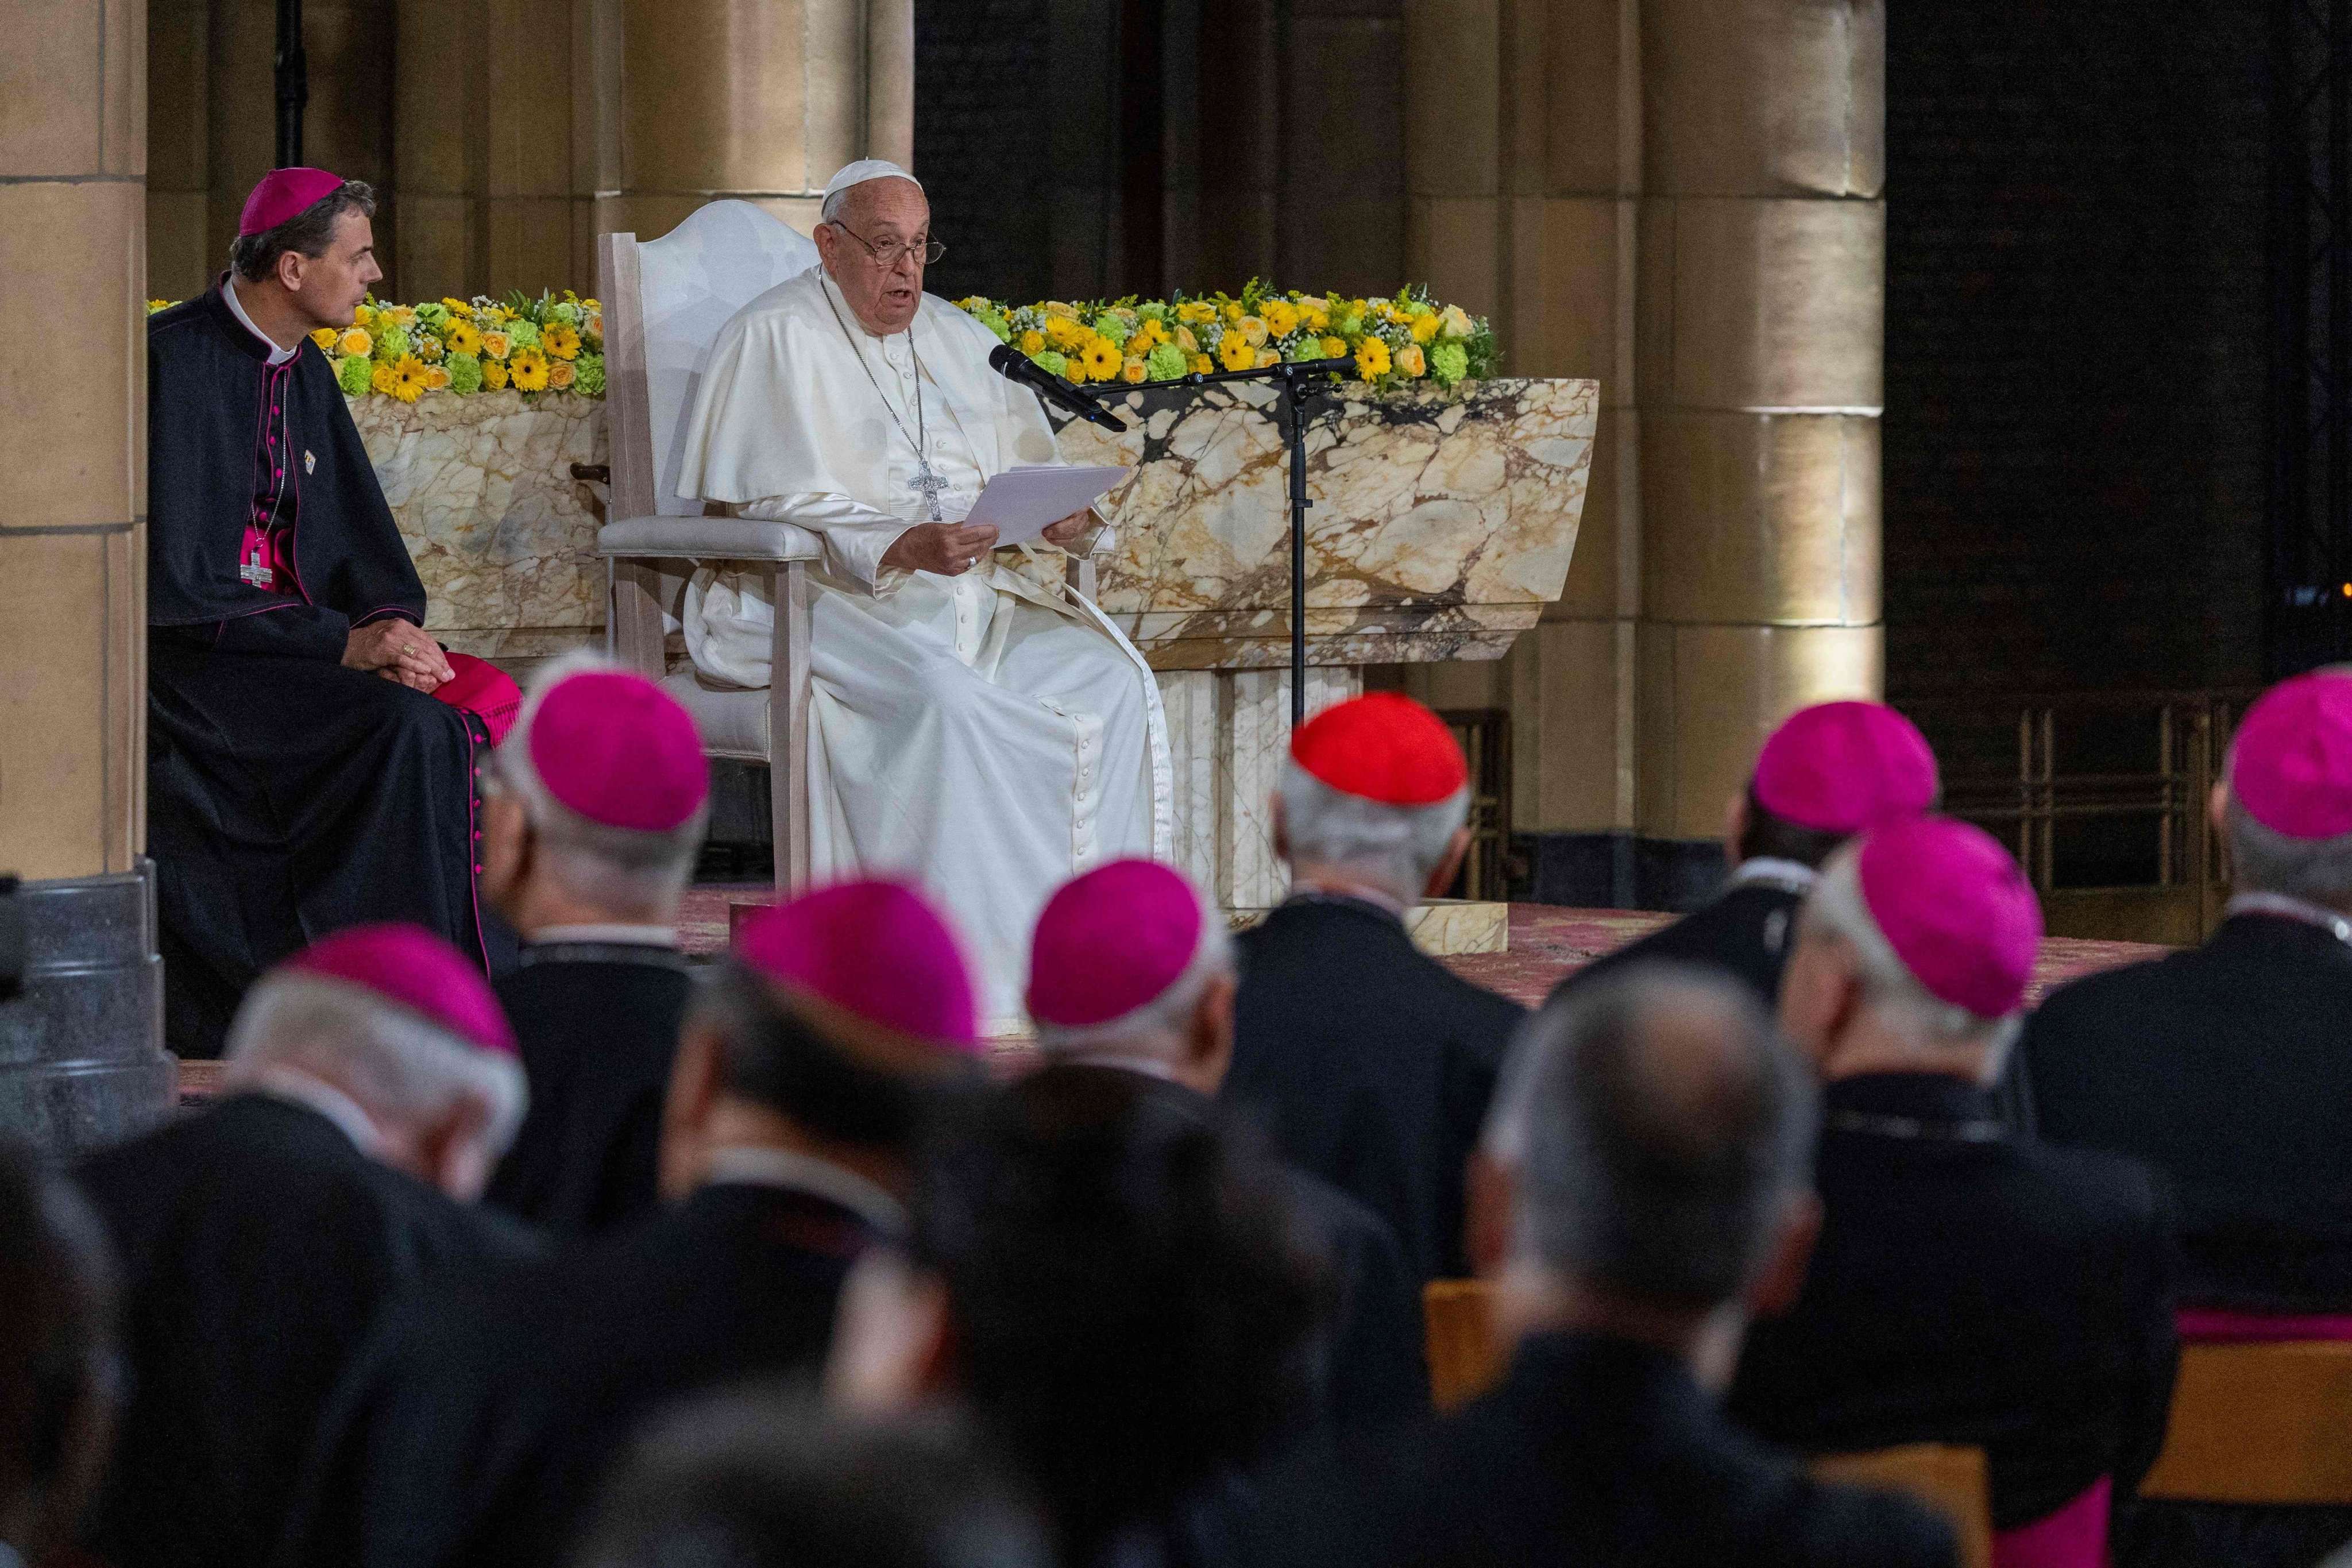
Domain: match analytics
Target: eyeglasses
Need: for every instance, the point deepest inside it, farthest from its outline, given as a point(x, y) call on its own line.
point(888, 253)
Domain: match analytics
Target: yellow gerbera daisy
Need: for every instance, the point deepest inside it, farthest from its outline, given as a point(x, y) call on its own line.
point(1064, 333)
point(1149, 336)
point(1101, 360)
point(364, 318)
point(380, 378)
point(1233, 311)
point(464, 337)
point(497, 345)
point(530, 370)
point(1134, 369)
point(325, 338)
point(1371, 359)
point(561, 375)
point(408, 379)
point(1314, 318)
point(561, 343)
point(1033, 342)
point(494, 375)
point(1335, 348)
point(1281, 317)
point(1236, 353)
point(458, 308)
point(357, 343)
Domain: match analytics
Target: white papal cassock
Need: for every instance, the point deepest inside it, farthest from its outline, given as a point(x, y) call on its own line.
point(988, 734)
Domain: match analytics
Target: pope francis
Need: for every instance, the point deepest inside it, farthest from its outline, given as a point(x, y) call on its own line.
point(973, 725)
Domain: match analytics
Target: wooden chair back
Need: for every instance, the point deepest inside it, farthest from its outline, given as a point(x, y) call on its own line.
point(1950, 1480)
point(1458, 1321)
point(2269, 1423)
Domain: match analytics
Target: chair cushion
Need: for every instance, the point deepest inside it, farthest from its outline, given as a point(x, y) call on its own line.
point(733, 722)
point(710, 539)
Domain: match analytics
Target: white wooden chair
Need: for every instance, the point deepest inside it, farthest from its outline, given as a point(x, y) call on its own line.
point(664, 301)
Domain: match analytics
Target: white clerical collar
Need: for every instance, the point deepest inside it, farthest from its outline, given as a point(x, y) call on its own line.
point(2292, 909)
point(296, 1087)
point(277, 354)
point(611, 935)
point(752, 1165)
point(1770, 871)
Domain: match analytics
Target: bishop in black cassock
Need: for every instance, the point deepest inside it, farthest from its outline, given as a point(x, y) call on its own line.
point(289, 792)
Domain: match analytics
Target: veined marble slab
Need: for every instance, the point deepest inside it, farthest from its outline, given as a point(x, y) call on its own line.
point(1442, 526)
point(483, 493)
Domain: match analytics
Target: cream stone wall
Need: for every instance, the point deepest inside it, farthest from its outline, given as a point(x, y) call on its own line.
point(73, 372)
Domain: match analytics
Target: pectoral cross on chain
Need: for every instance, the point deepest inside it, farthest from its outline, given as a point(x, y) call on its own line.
point(930, 483)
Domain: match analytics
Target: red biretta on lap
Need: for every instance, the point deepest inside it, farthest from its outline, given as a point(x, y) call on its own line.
point(2290, 764)
point(1112, 940)
point(1956, 911)
point(1383, 747)
point(1841, 768)
point(877, 950)
point(409, 967)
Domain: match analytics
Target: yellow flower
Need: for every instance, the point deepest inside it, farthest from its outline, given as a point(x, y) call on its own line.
point(381, 379)
point(1232, 310)
point(1149, 336)
point(1187, 341)
point(1203, 364)
point(494, 375)
point(592, 305)
point(593, 321)
point(156, 305)
point(357, 343)
point(428, 347)
point(1281, 317)
point(1268, 357)
point(1101, 360)
point(399, 315)
point(1335, 348)
point(1411, 361)
point(1033, 341)
point(1195, 310)
point(464, 337)
point(562, 374)
point(561, 343)
point(458, 308)
point(1061, 312)
point(1455, 323)
point(1254, 329)
point(1133, 370)
point(364, 318)
point(1313, 317)
point(1371, 359)
point(1315, 303)
point(1236, 352)
point(530, 369)
point(325, 337)
point(1065, 333)
point(1424, 327)
point(497, 345)
point(408, 379)
point(437, 377)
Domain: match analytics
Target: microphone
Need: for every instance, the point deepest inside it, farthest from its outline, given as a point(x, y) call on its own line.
point(1013, 365)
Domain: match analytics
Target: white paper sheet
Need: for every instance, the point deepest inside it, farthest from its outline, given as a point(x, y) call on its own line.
point(1020, 502)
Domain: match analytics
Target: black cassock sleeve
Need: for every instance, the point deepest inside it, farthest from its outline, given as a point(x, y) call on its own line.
point(293, 631)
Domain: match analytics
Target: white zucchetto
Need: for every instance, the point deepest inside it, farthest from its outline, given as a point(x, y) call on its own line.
point(858, 173)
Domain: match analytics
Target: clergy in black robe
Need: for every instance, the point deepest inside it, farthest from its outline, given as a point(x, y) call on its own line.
point(1828, 772)
point(293, 788)
point(478, 1427)
point(259, 1238)
point(1649, 1158)
point(595, 814)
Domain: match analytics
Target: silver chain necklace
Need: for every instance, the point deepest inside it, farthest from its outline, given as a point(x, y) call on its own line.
point(926, 479)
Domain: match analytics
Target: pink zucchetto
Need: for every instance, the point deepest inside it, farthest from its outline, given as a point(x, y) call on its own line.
point(1956, 911)
point(410, 967)
point(1110, 942)
point(876, 949)
point(2291, 764)
point(1839, 767)
point(284, 194)
point(618, 750)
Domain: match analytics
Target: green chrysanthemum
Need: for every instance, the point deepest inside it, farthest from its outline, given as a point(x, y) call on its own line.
point(1448, 362)
point(392, 345)
point(434, 316)
point(465, 374)
point(1164, 362)
point(1114, 329)
point(352, 375)
point(564, 311)
point(525, 334)
point(1052, 363)
point(588, 377)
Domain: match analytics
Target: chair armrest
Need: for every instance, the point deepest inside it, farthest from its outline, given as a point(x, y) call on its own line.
point(708, 539)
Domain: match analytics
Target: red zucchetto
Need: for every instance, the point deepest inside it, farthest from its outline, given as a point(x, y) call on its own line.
point(616, 749)
point(1956, 911)
point(1112, 940)
point(410, 967)
point(1383, 747)
point(876, 949)
point(284, 194)
point(2291, 764)
point(1839, 767)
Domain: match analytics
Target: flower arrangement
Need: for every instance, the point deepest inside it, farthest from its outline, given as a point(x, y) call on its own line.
point(553, 343)
point(1394, 342)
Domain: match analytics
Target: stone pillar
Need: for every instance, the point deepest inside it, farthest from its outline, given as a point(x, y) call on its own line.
point(79, 1057)
point(1761, 291)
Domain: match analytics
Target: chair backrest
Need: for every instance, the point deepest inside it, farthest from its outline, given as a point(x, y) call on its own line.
point(664, 301)
point(1464, 1359)
point(2258, 1423)
point(1947, 1478)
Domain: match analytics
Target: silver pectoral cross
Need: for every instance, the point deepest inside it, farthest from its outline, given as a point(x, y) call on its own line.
point(930, 484)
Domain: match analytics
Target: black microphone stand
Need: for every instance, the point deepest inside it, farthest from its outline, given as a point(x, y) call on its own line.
point(1297, 382)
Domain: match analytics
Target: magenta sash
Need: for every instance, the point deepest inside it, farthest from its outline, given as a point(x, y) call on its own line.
point(2218, 1325)
point(2074, 1537)
point(481, 687)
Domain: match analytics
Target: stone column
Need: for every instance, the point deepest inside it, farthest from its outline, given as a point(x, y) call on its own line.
point(78, 1060)
point(1761, 293)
